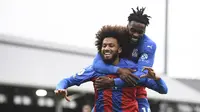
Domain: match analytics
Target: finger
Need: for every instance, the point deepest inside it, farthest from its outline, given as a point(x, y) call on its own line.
point(97, 82)
point(135, 77)
point(148, 68)
point(98, 85)
point(101, 77)
point(55, 91)
point(61, 91)
point(99, 88)
point(131, 81)
point(67, 98)
point(144, 76)
point(98, 78)
point(132, 70)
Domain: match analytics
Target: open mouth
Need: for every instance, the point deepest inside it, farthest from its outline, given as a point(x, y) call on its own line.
point(134, 39)
point(107, 54)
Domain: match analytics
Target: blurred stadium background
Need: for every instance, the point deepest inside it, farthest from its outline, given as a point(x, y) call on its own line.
point(43, 41)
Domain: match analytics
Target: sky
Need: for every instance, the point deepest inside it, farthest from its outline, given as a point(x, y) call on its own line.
point(75, 22)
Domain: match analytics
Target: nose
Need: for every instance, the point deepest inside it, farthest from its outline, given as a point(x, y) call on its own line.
point(107, 48)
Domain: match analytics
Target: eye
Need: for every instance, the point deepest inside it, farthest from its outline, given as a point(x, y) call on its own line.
point(140, 32)
point(104, 45)
point(132, 30)
point(111, 45)
point(136, 31)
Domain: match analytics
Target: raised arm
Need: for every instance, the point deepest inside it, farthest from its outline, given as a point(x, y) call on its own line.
point(77, 79)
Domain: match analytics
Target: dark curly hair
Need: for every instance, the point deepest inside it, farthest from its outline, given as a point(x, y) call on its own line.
point(120, 33)
point(139, 16)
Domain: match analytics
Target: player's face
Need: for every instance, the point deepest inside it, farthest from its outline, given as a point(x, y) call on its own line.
point(136, 30)
point(110, 50)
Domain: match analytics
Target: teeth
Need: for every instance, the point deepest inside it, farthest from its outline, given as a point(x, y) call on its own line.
point(107, 53)
point(134, 39)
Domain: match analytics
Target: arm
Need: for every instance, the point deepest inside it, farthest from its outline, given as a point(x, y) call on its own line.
point(124, 73)
point(77, 79)
point(146, 58)
point(157, 85)
point(154, 82)
point(101, 67)
point(120, 83)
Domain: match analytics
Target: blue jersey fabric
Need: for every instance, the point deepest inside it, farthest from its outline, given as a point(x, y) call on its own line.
point(106, 100)
point(117, 97)
point(143, 54)
point(156, 85)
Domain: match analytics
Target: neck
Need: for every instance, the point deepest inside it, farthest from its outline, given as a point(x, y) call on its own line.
point(116, 61)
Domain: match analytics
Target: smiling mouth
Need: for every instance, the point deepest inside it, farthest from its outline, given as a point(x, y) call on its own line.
point(107, 54)
point(134, 39)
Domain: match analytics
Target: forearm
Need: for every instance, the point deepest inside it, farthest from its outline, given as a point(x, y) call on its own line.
point(140, 72)
point(157, 85)
point(66, 82)
point(63, 84)
point(162, 87)
point(120, 83)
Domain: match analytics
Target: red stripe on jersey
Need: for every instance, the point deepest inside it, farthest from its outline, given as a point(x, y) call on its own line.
point(111, 76)
point(107, 98)
point(141, 92)
point(129, 103)
point(95, 95)
point(107, 94)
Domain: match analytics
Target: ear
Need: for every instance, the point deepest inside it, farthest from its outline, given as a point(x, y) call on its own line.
point(119, 50)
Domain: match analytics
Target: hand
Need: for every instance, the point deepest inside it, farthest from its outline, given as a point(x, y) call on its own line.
point(126, 75)
point(103, 82)
point(151, 74)
point(62, 92)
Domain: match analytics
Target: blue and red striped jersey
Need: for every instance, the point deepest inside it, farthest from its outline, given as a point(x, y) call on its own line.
point(115, 99)
point(143, 54)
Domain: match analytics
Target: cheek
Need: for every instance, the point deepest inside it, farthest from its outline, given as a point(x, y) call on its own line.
point(115, 50)
point(101, 51)
point(141, 35)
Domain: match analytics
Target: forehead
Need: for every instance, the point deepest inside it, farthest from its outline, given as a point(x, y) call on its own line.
point(110, 40)
point(137, 25)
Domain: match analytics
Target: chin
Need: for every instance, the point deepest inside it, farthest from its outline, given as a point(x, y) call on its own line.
point(107, 58)
point(108, 61)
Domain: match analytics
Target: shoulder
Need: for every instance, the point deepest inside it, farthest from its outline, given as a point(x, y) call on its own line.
point(148, 41)
point(87, 69)
point(148, 44)
point(127, 62)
